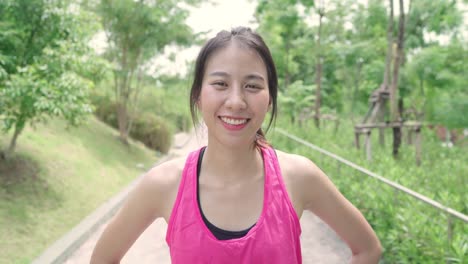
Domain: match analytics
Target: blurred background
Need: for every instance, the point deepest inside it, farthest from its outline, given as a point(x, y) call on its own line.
point(92, 93)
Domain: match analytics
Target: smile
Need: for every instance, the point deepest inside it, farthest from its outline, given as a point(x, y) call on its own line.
point(234, 121)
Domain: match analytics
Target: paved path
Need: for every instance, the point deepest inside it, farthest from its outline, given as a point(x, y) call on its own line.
point(319, 243)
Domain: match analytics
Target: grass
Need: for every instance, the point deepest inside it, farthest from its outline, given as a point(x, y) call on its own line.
point(57, 177)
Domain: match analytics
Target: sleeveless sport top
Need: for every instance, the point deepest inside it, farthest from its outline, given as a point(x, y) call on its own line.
point(275, 238)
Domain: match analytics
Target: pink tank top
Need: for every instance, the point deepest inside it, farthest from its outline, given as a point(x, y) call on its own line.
point(275, 238)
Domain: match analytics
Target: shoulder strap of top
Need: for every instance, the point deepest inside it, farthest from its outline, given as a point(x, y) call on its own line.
point(277, 177)
point(190, 170)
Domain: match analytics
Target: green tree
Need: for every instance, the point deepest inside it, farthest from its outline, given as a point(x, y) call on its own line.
point(281, 25)
point(137, 31)
point(353, 50)
point(43, 58)
point(440, 17)
point(300, 52)
point(297, 100)
point(359, 63)
point(438, 75)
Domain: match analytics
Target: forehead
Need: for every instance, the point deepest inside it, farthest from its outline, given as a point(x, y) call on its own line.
point(236, 59)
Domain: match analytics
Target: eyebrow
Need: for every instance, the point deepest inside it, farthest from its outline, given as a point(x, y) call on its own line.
point(254, 76)
point(218, 73)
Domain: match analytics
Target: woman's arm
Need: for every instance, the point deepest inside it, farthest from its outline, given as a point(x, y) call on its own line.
point(319, 195)
point(144, 204)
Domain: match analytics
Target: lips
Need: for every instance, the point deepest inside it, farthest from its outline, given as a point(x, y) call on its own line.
point(234, 121)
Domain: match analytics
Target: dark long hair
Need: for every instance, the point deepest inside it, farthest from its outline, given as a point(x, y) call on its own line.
point(247, 38)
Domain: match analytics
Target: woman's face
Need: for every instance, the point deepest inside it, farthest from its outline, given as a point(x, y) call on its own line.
point(234, 97)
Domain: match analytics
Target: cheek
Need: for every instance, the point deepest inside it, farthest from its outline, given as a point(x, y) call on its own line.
point(206, 100)
point(267, 101)
point(202, 98)
point(263, 105)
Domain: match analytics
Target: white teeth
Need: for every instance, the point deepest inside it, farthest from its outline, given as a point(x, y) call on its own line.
point(234, 121)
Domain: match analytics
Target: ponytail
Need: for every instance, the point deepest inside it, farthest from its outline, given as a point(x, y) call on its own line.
point(260, 140)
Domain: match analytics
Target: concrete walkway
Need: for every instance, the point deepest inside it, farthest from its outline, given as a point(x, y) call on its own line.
point(319, 243)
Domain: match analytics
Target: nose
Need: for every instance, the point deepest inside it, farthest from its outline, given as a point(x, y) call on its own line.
point(236, 99)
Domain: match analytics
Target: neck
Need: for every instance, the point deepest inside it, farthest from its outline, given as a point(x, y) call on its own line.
point(232, 164)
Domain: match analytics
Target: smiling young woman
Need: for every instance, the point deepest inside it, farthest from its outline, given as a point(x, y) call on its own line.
point(237, 200)
point(234, 96)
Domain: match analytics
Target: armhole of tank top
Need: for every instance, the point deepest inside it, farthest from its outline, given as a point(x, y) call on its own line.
point(279, 176)
point(180, 191)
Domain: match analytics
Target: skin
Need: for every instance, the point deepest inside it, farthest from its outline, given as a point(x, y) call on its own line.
point(232, 169)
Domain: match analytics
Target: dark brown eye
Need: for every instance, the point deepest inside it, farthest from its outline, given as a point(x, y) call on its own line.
point(220, 84)
point(253, 86)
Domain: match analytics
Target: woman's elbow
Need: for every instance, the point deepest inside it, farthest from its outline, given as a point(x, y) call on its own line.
point(102, 261)
point(376, 252)
point(369, 256)
point(97, 258)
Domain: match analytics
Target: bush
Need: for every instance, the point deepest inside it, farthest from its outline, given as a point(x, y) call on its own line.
point(169, 103)
point(106, 110)
point(153, 131)
point(182, 122)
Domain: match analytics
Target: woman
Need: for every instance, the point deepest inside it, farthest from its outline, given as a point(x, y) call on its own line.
point(237, 200)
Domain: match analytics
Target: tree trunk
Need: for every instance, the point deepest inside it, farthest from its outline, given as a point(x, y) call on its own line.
point(394, 87)
point(388, 58)
point(18, 129)
point(354, 93)
point(396, 140)
point(134, 103)
point(123, 121)
point(318, 74)
point(287, 77)
point(122, 82)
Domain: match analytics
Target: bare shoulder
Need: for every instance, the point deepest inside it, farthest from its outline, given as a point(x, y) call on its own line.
point(165, 175)
point(297, 166)
point(161, 183)
point(301, 176)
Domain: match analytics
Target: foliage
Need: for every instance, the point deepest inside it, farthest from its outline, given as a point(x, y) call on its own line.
point(55, 169)
point(429, 16)
point(438, 73)
point(105, 110)
point(137, 31)
point(160, 103)
point(410, 231)
point(281, 25)
point(297, 99)
point(28, 98)
point(451, 111)
point(153, 131)
point(165, 101)
point(45, 57)
point(353, 49)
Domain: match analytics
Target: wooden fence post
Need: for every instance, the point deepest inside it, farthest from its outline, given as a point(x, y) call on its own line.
point(368, 145)
point(449, 234)
point(409, 136)
point(382, 136)
point(417, 145)
point(356, 138)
